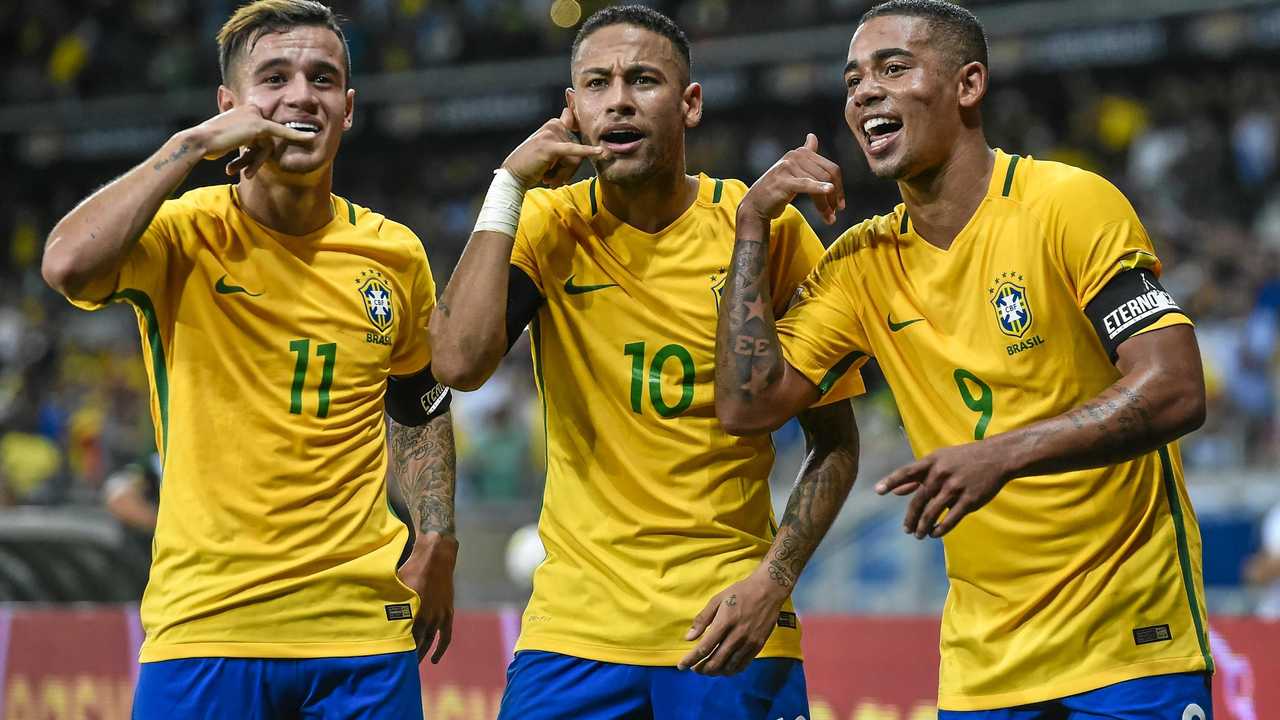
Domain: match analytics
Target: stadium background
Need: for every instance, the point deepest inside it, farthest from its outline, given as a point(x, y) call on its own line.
point(1176, 101)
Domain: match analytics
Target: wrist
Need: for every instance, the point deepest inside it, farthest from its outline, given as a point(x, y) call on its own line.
point(500, 211)
point(772, 582)
point(192, 139)
point(748, 215)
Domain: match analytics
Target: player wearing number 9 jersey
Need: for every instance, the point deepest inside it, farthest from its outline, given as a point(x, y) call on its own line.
point(654, 518)
point(1042, 374)
point(278, 321)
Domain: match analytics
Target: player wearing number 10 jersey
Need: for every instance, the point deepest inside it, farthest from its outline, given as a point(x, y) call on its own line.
point(650, 510)
point(1043, 377)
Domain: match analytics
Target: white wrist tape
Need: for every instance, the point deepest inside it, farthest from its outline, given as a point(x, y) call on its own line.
point(500, 212)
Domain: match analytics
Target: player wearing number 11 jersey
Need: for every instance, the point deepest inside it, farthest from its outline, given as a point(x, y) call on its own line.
point(278, 321)
point(1042, 374)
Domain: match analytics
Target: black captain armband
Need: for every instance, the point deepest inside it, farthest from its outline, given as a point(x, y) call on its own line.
point(416, 399)
point(1131, 302)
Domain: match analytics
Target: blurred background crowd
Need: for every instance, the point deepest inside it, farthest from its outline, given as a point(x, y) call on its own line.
point(1179, 107)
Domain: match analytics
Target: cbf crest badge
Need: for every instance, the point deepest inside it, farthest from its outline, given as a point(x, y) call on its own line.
point(376, 294)
point(1012, 306)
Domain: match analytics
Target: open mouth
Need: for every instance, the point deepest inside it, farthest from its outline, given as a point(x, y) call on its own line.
point(622, 141)
point(303, 126)
point(880, 132)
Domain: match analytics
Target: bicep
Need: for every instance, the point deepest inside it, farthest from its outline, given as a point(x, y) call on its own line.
point(1169, 352)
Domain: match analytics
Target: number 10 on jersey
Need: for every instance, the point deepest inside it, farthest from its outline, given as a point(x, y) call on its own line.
point(636, 351)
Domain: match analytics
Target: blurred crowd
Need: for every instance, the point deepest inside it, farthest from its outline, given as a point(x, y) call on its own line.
point(1194, 147)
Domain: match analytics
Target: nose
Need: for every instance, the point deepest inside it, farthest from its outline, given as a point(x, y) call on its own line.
point(868, 92)
point(300, 93)
point(619, 99)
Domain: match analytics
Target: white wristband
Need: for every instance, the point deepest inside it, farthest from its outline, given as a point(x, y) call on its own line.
point(500, 212)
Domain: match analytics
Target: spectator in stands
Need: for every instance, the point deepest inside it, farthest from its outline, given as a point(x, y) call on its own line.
point(1263, 568)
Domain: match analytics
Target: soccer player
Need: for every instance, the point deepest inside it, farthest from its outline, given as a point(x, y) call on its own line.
point(277, 320)
point(650, 509)
point(1042, 374)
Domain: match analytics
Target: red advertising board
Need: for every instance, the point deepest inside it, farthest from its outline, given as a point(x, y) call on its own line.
point(79, 664)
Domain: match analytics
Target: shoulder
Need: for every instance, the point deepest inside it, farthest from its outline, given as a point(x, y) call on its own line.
point(212, 200)
point(562, 204)
point(869, 236)
point(391, 233)
point(1053, 187)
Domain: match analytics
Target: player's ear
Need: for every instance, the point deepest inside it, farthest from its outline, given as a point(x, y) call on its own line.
point(226, 98)
point(691, 105)
point(972, 85)
point(348, 117)
point(569, 99)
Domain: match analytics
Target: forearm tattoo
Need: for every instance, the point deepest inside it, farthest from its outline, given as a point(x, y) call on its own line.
point(756, 361)
point(819, 493)
point(422, 464)
point(1120, 419)
point(173, 157)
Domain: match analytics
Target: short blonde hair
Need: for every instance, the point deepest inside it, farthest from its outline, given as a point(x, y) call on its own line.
point(250, 22)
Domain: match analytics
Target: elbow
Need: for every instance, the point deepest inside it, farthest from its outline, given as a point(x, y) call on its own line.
point(459, 371)
point(738, 420)
point(59, 271)
point(1192, 409)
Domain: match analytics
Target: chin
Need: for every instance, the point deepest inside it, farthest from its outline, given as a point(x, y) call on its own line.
point(627, 172)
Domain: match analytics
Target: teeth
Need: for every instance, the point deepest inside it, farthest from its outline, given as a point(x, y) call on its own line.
point(873, 123)
point(305, 127)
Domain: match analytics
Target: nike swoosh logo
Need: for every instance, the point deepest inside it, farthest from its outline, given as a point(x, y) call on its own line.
point(224, 289)
point(572, 289)
point(895, 327)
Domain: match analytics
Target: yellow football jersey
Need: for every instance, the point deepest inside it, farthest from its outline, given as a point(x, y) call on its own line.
point(268, 356)
point(650, 507)
point(1063, 583)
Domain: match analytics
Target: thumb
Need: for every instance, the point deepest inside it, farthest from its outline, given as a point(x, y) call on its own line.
point(703, 619)
point(811, 142)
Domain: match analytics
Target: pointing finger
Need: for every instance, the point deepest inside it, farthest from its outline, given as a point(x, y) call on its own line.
point(909, 473)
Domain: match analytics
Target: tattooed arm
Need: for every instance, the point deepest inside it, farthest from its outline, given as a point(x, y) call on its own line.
point(1159, 398)
point(88, 246)
point(422, 466)
point(735, 625)
point(827, 475)
point(756, 389)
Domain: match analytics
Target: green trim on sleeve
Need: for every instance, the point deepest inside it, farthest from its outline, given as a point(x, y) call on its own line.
point(837, 372)
point(351, 211)
point(717, 192)
point(160, 372)
point(1184, 554)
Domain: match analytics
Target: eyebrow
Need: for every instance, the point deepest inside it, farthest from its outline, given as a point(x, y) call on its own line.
point(322, 65)
point(880, 56)
point(627, 70)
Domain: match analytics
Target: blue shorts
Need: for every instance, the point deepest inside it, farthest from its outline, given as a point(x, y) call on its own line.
point(550, 686)
point(1184, 696)
point(362, 688)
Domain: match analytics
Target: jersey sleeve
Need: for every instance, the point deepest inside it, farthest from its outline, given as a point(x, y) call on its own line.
point(411, 351)
point(794, 251)
point(1101, 238)
point(821, 335)
point(537, 220)
point(146, 268)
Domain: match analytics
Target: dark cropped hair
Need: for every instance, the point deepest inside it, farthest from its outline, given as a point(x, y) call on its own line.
point(956, 31)
point(253, 20)
point(642, 17)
